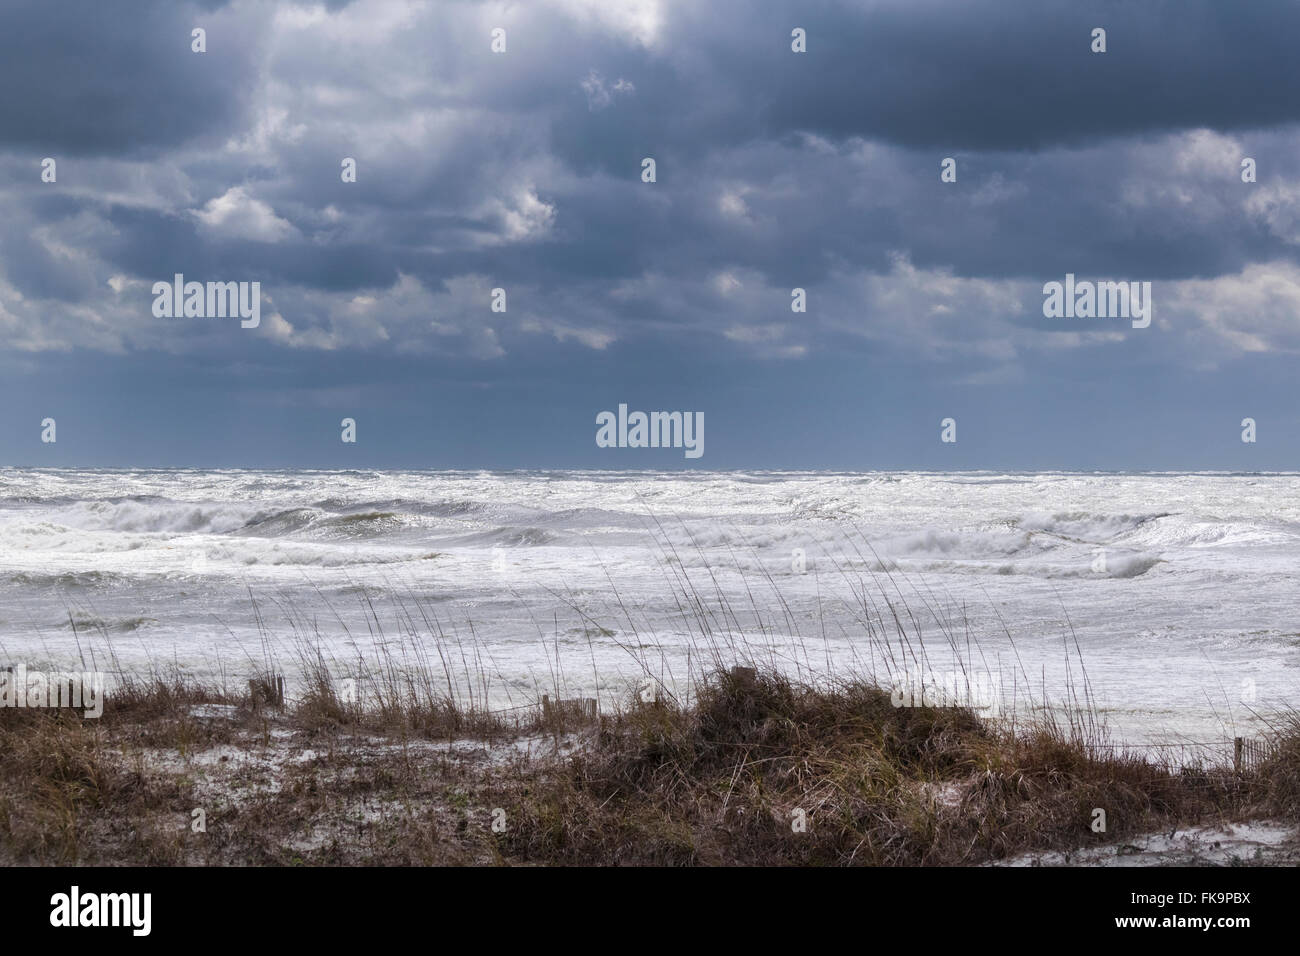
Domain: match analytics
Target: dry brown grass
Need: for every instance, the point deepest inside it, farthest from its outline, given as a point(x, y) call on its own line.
point(722, 781)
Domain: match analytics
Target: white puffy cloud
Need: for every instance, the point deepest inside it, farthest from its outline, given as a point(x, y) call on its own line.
point(236, 214)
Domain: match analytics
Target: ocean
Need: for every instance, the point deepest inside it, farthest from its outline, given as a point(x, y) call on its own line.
point(1168, 599)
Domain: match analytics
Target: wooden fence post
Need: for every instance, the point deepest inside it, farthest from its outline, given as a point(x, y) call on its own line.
point(269, 691)
point(1236, 754)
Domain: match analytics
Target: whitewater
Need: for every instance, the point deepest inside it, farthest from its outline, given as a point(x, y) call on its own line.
point(1171, 595)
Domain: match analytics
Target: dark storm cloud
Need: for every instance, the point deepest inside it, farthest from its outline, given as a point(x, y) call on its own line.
point(1006, 75)
point(775, 170)
point(1018, 74)
point(151, 244)
point(89, 78)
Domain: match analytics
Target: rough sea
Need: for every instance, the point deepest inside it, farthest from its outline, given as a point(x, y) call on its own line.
point(1170, 599)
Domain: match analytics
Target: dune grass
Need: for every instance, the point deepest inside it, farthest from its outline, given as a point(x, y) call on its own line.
point(759, 769)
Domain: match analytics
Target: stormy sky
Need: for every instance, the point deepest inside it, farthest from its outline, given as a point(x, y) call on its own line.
point(775, 170)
